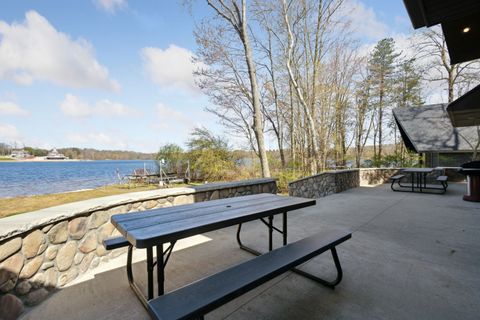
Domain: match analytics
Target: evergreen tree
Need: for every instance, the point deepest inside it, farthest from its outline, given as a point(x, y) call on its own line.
point(408, 84)
point(382, 70)
point(408, 92)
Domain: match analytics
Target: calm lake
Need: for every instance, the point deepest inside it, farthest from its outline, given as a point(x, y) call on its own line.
point(32, 178)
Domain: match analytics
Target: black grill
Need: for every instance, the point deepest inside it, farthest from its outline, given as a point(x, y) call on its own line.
point(471, 168)
point(472, 171)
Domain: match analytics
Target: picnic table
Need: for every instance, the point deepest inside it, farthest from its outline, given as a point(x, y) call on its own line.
point(418, 181)
point(162, 228)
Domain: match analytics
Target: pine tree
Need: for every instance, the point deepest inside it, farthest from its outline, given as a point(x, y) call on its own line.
point(408, 92)
point(382, 70)
point(408, 84)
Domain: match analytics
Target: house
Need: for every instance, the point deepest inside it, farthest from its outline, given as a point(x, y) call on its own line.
point(20, 154)
point(460, 23)
point(428, 130)
point(55, 155)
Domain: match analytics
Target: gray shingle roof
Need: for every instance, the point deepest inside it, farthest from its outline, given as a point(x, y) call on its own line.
point(428, 129)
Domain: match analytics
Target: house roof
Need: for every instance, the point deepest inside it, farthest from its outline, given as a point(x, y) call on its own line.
point(465, 111)
point(454, 16)
point(429, 129)
point(460, 21)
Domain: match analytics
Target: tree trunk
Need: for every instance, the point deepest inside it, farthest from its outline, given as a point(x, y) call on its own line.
point(380, 119)
point(257, 112)
point(310, 120)
point(238, 20)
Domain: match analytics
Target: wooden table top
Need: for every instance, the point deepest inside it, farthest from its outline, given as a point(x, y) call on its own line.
point(148, 228)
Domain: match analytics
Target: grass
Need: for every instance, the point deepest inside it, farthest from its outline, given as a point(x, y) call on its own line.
point(12, 206)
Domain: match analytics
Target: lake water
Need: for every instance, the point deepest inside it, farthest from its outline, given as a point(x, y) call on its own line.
point(32, 178)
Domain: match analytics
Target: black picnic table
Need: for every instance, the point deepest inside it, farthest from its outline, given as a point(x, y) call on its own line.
point(158, 227)
point(418, 177)
point(418, 181)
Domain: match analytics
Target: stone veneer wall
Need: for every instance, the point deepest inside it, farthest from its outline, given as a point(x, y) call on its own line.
point(330, 182)
point(44, 250)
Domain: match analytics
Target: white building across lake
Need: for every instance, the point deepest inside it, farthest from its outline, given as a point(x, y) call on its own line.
point(55, 155)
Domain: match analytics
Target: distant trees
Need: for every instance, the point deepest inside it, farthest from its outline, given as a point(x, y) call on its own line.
point(81, 153)
point(209, 156)
point(170, 152)
point(5, 149)
point(36, 152)
point(94, 154)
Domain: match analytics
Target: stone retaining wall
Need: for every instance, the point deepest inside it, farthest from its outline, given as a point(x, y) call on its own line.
point(330, 182)
point(44, 250)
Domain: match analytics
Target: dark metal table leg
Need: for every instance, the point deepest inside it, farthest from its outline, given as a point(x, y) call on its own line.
point(160, 263)
point(413, 182)
point(150, 268)
point(131, 281)
point(271, 228)
point(160, 271)
point(270, 233)
point(244, 247)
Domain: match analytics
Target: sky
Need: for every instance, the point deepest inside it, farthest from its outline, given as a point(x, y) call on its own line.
point(117, 74)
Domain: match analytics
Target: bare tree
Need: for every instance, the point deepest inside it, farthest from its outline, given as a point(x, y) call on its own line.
point(431, 49)
point(234, 15)
point(308, 25)
point(274, 102)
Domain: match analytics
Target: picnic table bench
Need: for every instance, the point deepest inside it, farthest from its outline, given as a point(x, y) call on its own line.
point(166, 225)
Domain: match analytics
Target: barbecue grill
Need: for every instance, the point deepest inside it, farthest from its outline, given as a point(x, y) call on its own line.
point(472, 171)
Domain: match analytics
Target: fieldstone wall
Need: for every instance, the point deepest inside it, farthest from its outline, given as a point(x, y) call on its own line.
point(375, 176)
point(330, 182)
point(45, 250)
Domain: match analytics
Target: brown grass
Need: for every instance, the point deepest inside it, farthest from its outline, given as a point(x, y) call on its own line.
point(12, 206)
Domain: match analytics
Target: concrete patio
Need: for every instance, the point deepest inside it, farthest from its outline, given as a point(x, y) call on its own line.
point(412, 256)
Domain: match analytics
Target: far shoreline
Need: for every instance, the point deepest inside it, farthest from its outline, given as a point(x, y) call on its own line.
point(66, 160)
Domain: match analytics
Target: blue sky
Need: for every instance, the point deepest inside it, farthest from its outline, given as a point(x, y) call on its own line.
point(116, 74)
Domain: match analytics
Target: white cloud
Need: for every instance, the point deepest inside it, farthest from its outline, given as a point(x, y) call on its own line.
point(97, 139)
point(9, 133)
point(74, 107)
point(363, 20)
point(35, 50)
point(171, 67)
point(108, 108)
point(111, 6)
point(10, 108)
point(171, 118)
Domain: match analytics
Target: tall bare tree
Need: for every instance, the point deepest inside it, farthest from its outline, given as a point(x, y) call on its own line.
point(234, 15)
point(431, 50)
